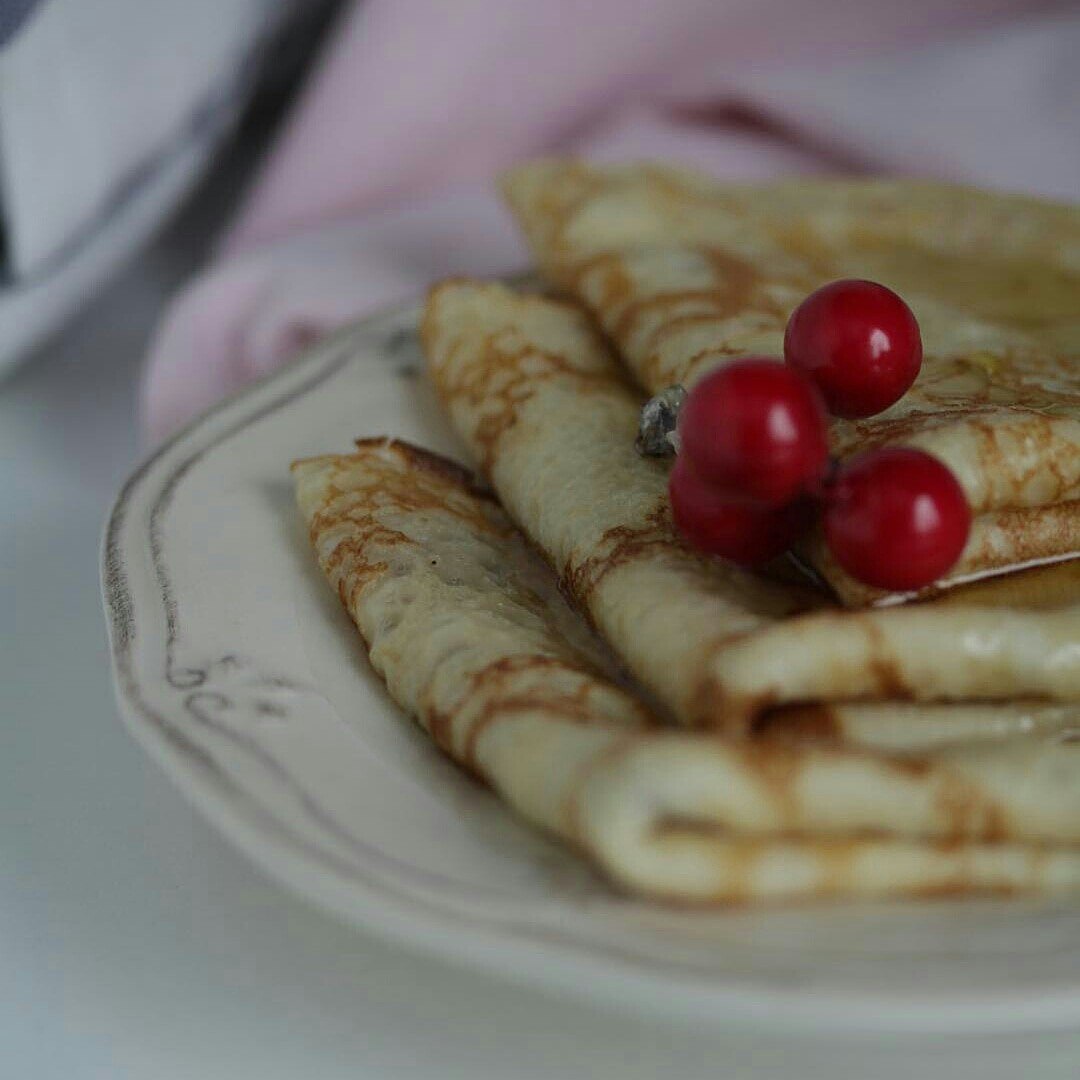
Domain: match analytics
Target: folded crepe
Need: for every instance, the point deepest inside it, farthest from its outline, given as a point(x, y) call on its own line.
point(464, 622)
point(538, 399)
point(683, 273)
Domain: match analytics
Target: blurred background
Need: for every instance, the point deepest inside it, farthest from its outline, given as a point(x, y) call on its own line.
point(361, 139)
point(192, 192)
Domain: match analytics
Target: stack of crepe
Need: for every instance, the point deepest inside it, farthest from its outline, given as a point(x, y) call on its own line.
point(703, 733)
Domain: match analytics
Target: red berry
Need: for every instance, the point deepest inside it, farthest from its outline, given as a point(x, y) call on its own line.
point(756, 429)
point(896, 518)
point(737, 529)
point(859, 342)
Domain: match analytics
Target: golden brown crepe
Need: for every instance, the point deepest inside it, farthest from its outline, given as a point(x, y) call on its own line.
point(464, 623)
point(539, 401)
point(912, 749)
point(683, 273)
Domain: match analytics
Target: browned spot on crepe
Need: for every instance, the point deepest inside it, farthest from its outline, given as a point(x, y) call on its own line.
point(502, 699)
point(1029, 532)
point(435, 464)
point(955, 887)
point(882, 665)
point(367, 530)
point(615, 284)
point(523, 371)
point(914, 766)
point(617, 546)
point(777, 768)
point(969, 812)
point(799, 725)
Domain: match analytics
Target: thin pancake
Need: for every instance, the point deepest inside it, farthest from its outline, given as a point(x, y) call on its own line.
point(464, 623)
point(531, 389)
point(683, 274)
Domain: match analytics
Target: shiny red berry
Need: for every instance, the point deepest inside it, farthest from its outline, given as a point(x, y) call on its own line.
point(757, 429)
point(745, 532)
point(896, 518)
point(860, 344)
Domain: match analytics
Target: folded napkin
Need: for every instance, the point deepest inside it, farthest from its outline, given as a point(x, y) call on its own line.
point(381, 182)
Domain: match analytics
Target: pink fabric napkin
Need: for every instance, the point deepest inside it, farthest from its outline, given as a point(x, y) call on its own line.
point(381, 179)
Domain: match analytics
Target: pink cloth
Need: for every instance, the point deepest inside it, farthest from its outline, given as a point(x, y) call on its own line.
point(381, 180)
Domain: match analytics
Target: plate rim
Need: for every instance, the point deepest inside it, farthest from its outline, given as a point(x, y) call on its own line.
point(545, 959)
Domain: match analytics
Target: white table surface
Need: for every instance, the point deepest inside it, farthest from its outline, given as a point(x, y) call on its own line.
point(134, 943)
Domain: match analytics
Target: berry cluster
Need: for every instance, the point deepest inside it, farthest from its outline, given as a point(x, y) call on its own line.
point(754, 471)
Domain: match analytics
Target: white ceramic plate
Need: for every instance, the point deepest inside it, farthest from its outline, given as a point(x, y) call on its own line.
point(238, 671)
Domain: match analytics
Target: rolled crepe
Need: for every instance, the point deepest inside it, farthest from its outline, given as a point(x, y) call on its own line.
point(683, 274)
point(465, 624)
point(541, 404)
